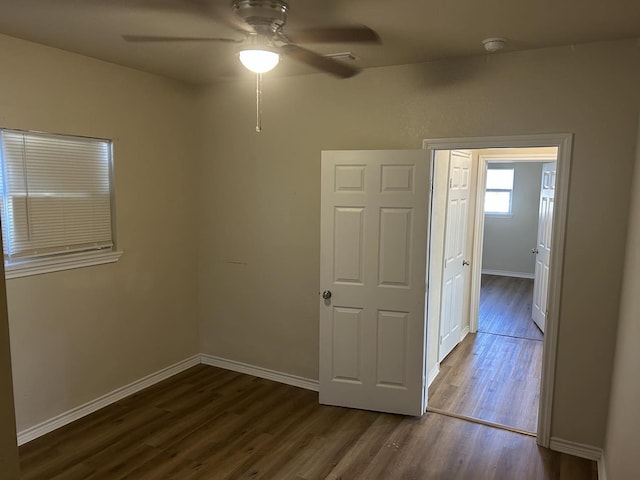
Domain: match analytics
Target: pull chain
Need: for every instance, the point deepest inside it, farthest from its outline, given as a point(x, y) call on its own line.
point(258, 102)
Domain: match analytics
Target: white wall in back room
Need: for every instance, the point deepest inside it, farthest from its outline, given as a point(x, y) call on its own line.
point(508, 240)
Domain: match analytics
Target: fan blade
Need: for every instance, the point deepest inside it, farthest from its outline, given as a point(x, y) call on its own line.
point(156, 38)
point(316, 60)
point(360, 34)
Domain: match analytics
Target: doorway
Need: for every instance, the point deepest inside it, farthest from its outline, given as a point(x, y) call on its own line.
point(376, 340)
point(560, 148)
point(501, 357)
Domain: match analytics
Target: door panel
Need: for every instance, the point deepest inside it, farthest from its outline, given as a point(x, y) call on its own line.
point(453, 277)
point(543, 245)
point(348, 225)
point(395, 246)
point(347, 323)
point(392, 349)
point(373, 260)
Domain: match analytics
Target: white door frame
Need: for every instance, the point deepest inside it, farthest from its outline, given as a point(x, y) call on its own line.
point(478, 230)
point(564, 144)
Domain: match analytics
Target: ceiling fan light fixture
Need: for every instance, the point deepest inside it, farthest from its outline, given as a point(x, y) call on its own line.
point(259, 60)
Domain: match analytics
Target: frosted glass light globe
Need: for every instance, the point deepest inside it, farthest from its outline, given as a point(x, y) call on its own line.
point(259, 61)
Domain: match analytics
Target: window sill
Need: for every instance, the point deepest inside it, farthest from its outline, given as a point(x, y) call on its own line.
point(498, 215)
point(37, 266)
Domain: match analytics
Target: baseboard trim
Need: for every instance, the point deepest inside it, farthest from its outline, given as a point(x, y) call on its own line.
point(65, 418)
point(579, 450)
point(576, 449)
point(502, 273)
point(286, 378)
point(602, 471)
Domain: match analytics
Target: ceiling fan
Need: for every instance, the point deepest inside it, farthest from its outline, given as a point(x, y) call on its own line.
point(261, 23)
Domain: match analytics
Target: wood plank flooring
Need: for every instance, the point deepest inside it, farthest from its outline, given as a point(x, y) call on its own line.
point(493, 378)
point(209, 423)
point(505, 307)
point(494, 375)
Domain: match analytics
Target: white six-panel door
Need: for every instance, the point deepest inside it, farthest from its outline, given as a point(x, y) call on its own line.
point(543, 246)
point(373, 263)
point(453, 275)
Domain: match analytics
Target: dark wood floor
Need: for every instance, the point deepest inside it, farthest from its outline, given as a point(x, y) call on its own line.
point(494, 375)
point(208, 423)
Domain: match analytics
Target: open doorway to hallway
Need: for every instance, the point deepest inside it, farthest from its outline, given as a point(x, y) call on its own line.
point(491, 370)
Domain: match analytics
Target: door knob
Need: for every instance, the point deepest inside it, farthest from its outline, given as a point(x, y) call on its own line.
point(326, 294)
point(534, 251)
point(465, 263)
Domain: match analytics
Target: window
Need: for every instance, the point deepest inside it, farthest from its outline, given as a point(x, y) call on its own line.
point(499, 191)
point(55, 201)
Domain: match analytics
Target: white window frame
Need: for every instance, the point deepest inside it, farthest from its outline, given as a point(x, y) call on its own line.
point(34, 265)
point(509, 213)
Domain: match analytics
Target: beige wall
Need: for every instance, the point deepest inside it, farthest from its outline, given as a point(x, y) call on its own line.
point(8, 446)
point(623, 442)
point(260, 195)
point(79, 334)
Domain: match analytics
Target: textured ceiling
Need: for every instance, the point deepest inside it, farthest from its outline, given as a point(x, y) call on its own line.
point(411, 30)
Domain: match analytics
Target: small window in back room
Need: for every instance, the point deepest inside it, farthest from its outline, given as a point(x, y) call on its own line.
point(499, 192)
point(55, 196)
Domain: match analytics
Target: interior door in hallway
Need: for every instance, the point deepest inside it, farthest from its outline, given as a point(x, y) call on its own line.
point(455, 252)
point(543, 245)
point(373, 279)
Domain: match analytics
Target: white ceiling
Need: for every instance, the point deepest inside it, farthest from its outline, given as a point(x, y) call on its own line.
point(411, 30)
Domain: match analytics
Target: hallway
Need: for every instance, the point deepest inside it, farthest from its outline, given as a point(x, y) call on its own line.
point(494, 374)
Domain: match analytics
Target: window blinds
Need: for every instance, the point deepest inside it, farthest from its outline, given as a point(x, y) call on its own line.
point(55, 192)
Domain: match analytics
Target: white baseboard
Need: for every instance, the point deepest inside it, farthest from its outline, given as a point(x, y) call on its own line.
point(296, 381)
point(31, 433)
point(602, 470)
point(65, 418)
point(502, 273)
point(433, 373)
point(579, 450)
point(576, 449)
